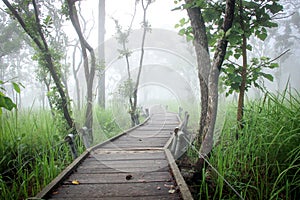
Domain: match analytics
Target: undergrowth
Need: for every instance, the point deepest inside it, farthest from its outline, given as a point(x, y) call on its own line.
point(33, 151)
point(265, 162)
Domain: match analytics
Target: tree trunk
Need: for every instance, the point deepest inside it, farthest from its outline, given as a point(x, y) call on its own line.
point(135, 115)
point(213, 76)
point(89, 71)
point(101, 53)
point(203, 60)
point(75, 74)
point(242, 88)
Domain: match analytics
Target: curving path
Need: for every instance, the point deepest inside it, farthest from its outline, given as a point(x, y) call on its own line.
point(133, 165)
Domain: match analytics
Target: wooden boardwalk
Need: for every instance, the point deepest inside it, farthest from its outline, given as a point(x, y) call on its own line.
point(132, 165)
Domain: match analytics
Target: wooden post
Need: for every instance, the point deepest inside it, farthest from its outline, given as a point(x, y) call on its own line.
point(181, 145)
point(180, 112)
point(70, 139)
point(85, 137)
point(185, 122)
point(174, 141)
point(147, 112)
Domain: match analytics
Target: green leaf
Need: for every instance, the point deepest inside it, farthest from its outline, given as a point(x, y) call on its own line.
point(182, 21)
point(182, 31)
point(268, 76)
point(273, 65)
point(7, 103)
point(249, 47)
point(237, 55)
point(262, 36)
point(16, 87)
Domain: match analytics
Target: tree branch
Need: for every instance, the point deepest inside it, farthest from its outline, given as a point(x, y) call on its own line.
point(283, 53)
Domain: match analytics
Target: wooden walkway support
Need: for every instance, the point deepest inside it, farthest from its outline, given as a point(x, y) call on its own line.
point(133, 165)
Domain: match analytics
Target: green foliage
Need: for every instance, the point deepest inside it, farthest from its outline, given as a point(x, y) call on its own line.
point(232, 79)
point(107, 126)
point(31, 153)
point(5, 101)
point(264, 163)
point(256, 17)
point(9, 33)
point(126, 89)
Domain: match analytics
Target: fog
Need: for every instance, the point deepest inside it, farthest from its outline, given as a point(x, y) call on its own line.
point(169, 69)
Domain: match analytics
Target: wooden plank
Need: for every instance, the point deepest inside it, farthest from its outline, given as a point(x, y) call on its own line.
point(156, 197)
point(119, 177)
point(184, 190)
point(136, 140)
point(117, 164)
point(126, 155)
point(125, 145)
point(123, 170)
point(113, 190)
point(156, 128)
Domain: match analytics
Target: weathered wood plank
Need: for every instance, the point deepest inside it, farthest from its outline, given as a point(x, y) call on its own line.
point(142, 144)
point(113, 190)
point(145, 134)
point(118, 177)
point(117, 164)
point(123, 170)
point(126, 155)
point(156, 197)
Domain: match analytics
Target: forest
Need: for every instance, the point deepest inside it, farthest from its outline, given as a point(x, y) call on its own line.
point(75, 73)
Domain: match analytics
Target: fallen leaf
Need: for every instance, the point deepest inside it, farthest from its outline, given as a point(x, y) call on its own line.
point(172, 191)
point(55, 192)
point(75, 182)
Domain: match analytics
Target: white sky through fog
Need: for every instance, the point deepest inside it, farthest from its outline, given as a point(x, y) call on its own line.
point(159, 15)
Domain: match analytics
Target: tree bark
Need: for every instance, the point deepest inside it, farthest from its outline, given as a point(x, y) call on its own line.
point(89, 71)
point(242, 88)
point(135, 115)
point(213, 76)
point(101, 53)
point(75, 74)
point(203, 60)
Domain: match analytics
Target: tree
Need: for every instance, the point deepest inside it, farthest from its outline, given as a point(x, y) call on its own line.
point(28, 16)
point(130, 88)
point(208, 72)
point(252, 18)
point(101, 53)
point(75, 63)
point(89, 70)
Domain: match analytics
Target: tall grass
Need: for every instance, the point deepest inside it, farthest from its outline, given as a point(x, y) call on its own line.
point(32, 151)
point(265, 162)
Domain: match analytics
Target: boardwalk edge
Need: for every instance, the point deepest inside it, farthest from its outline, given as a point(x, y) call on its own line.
point(184, 190)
